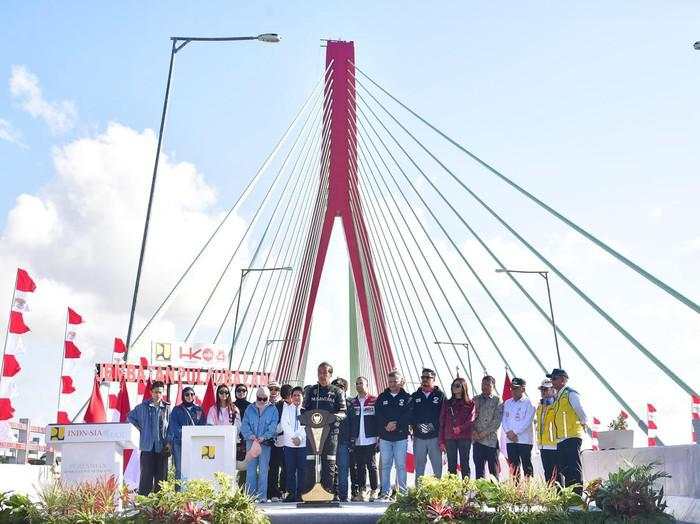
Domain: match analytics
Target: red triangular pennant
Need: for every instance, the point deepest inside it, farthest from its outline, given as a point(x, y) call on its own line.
point(119, 346)
point(506, 389)
point(24, 281)
point(71, 350)
point(209, 397)
point(67, 385)
point(73, 317)
point(95, 413)
point(17, 325)
point(10, 366)
point(6, 409)
point(62, 418)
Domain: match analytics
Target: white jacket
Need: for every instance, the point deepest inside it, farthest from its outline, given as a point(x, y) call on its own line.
point(518, 416)
point(290, 426)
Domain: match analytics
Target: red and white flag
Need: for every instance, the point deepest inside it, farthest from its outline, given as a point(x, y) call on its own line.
point(69, 364)
point(651, 425)
point(17, 327)
point(695, 414)
point(507, 394)
point(132, 461)
point(595, 428)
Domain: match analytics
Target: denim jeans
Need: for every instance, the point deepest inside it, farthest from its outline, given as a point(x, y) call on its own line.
point(343, 460)
point(177, 458)
point(424, 449)
point(393, 453)
point(256, 473)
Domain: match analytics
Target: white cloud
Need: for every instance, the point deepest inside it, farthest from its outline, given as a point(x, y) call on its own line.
point(24, 85)
point(80, 237)
point(10, 134)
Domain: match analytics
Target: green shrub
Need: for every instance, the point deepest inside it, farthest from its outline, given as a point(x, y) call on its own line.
point(628, 495)
point(630, 492)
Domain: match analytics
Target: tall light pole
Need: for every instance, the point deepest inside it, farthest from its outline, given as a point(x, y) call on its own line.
point(545, 275)
point(469, 359)
point(273, 341)
point(178, 42)
point(244, 273)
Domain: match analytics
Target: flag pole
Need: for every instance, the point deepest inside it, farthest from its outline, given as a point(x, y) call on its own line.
point(63, 360)
point(7, 333)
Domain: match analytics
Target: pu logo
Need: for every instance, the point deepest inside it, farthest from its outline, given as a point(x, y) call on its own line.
point(58, 433)
point(164, 351)
point(209, 452)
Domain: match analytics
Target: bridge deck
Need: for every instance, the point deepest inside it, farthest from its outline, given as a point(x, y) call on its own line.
point(348, 513)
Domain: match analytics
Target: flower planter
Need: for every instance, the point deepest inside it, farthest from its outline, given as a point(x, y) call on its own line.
point(621, 439)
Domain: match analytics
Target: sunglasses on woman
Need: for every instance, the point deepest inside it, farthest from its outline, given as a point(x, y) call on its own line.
point(262, 399)
point(222, 392)
point(241, 391)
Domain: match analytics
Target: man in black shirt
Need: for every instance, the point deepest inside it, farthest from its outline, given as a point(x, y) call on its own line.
point(427, 403)
point(324, 395)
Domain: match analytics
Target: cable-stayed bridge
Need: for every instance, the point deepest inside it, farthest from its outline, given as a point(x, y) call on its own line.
point(353, 158)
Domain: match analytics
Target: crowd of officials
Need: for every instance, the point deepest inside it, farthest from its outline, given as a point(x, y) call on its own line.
point(273, 447)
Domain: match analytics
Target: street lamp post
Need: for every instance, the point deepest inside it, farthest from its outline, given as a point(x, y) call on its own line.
point(545, 275)
point(469, 358)
point(178, 42)
point(244, 273)
point(272, 341)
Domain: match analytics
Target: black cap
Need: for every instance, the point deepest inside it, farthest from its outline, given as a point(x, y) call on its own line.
point(518, 382)
point(428, 372)
point(556, 372)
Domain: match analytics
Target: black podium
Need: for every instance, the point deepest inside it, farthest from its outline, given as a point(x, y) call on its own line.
point(317, 489)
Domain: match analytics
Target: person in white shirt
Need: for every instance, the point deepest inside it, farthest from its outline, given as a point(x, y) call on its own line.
point(518, 415)
point(294, 439)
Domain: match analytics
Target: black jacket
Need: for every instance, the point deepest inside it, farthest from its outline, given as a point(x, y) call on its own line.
point(390, 408)
point(371, 428)
point(425, 421)
point(331, 398)
point(344, 430)
point(242, 404)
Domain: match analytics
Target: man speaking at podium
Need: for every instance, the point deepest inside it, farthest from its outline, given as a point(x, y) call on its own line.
point(324, 395)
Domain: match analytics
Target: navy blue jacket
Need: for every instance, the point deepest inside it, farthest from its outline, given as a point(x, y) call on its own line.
point(426, 413)
point(183, 415)
point(390, 408)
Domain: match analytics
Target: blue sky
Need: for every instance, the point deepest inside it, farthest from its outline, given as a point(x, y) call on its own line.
point(592, 106)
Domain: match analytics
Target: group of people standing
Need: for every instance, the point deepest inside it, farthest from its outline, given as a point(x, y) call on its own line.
point(273, 441)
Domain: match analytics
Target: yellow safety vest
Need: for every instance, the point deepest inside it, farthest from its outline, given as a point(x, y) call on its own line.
point(566, 421)
point(544, 424)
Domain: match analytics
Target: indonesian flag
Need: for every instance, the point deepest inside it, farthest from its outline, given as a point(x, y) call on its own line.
point(69, 365)
point(209, 397)
point(695, 413)
point(95, 413)
point(651, 425)
point(595, 428)
point(132, 461)
point(67, 385)
point(503, 440)
point(10, 366)
point(410, 457)
point(119, 346)
point(6, 409)
point(13, 343)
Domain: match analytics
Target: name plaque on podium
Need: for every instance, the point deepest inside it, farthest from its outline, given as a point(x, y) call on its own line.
point(207, 450)
point(91, 452)
point(318, 487)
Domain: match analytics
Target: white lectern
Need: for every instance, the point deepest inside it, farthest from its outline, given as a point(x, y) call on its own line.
point(207, 450)
point(91, 452)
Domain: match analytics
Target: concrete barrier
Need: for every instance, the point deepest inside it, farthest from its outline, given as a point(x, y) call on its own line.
point(681, 462)
point(24, 478)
